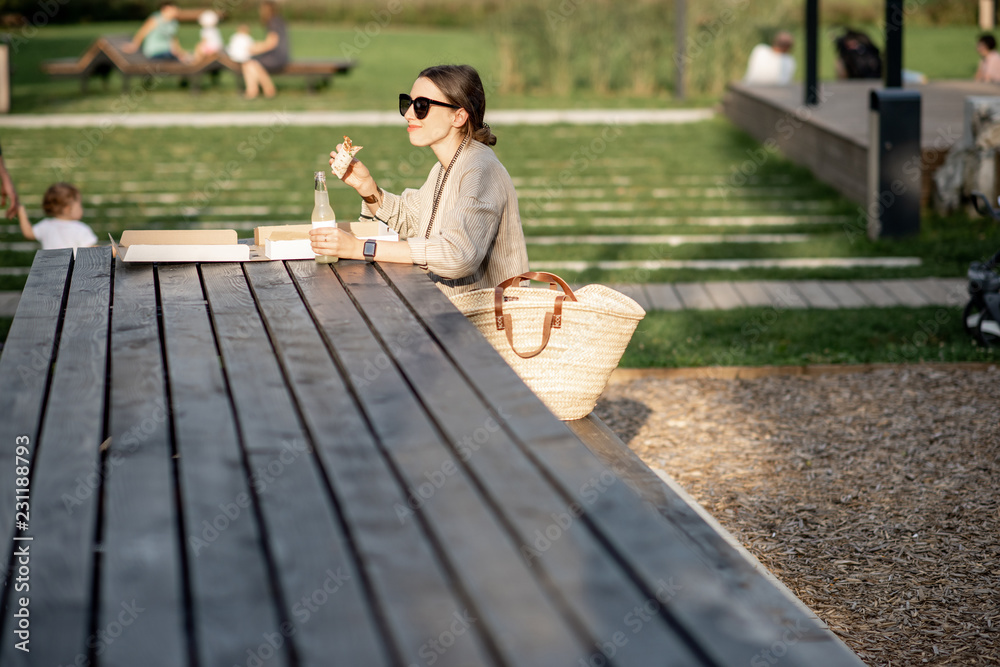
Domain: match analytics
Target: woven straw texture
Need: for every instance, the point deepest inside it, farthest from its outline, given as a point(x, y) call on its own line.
point(572, 371)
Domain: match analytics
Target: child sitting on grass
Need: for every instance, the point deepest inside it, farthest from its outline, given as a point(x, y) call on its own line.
point(62, 227)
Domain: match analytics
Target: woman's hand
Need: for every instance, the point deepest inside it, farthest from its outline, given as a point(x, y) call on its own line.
point(357, 175)
point(333, 241)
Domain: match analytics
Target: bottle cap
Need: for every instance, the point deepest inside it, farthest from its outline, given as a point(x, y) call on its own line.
point(320, 175)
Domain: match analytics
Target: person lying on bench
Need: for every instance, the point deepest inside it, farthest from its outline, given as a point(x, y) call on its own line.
point(158, 36)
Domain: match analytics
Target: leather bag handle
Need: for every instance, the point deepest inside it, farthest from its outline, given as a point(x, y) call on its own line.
point(553, 318)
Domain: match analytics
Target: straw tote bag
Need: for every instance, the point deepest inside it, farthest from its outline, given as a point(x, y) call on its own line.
point(564, 345)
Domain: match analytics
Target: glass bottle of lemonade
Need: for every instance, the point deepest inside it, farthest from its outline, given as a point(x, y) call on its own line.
point(322, 215)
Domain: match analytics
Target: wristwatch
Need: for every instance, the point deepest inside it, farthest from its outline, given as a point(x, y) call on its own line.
point(369, 250)
point(371, 199)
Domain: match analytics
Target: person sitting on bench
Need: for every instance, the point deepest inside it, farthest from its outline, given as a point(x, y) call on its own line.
point(269, 56)
point(158, 35)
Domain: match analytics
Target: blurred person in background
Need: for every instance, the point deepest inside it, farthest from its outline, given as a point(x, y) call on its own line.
point(8, 194)
point(772, 64)
point(857, 56)
point(989, 60)
point(158, 35)
point(268, 56)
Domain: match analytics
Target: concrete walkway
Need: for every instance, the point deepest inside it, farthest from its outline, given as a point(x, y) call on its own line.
point(352, 118)
point(725, 295)
point(826, 294)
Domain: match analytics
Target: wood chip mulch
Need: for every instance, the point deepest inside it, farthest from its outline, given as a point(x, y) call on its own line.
point(874, 496)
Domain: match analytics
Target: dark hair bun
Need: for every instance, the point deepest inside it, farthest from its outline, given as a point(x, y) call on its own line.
point(485, 135)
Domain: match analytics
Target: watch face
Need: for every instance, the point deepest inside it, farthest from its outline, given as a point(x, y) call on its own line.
point(369, 249)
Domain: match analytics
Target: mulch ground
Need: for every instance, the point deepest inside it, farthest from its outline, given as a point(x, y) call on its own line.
point(874, 496)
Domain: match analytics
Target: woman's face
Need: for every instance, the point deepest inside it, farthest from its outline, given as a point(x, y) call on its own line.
point(439, 122)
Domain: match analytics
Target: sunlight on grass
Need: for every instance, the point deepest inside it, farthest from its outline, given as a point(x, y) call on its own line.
point(759, 336)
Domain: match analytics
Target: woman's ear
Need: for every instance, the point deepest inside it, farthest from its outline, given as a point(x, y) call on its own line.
point(460, 119)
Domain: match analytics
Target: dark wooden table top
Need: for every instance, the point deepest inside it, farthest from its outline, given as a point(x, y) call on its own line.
point(291, 464)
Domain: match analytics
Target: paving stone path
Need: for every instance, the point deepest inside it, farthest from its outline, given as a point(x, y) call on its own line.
point(725, 295)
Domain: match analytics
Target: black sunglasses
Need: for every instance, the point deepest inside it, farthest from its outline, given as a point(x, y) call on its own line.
point(421, 105)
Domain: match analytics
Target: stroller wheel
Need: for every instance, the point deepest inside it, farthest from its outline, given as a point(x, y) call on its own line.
point(989, 331)
point(971, 317)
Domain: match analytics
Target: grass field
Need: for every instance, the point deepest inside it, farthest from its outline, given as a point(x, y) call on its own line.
point(671, 183)
point(387, 63)
point(762, 336)
point(631, 194)
point(389, 58)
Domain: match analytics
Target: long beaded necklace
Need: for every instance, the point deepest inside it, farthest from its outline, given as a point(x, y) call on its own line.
point(439, 187)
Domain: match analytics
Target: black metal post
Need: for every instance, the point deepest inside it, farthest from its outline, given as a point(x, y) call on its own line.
point(680, 36)
point(812, 52)
point(894, 186)
point(893, 43)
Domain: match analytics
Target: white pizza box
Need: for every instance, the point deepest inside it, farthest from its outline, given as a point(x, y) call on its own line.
point(292, 241)
point(280, 246)
point(181, 245)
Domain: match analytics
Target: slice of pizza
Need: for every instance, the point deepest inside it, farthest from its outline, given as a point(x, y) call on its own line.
point(344, 156)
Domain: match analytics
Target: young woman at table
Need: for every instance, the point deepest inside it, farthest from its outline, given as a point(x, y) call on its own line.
point(462, 226)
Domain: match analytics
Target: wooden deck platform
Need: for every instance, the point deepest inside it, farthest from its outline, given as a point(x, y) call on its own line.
point(831, 139)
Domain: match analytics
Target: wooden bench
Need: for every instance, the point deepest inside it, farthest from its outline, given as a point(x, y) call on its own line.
point(279, 462)
point(317, 73)
point(106, 55)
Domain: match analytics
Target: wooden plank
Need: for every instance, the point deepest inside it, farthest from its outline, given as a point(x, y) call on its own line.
point(141, 582)
point(904, 292)
point(412, 590)
point(704, 533)
point(752, 293)
point(323, 594)
point(66, 476)
point(663, 296)
point(724, 295)
point(226, 561)
point(874, 293)
point(694, 296)
point(845, 295)
point(705, 603)
point(782, 294)
point(554, 542)
point(814, 294)
point(521, 623)
point(24, 374)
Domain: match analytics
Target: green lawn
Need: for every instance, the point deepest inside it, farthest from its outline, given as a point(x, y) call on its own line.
point(572, 180)
point(388, 61)
point(762, 336)
point(603, 181)
point(387, 64)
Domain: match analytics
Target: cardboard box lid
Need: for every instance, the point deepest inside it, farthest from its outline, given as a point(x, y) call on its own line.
point(181, 245)
point(178, 237)
point(262, 233)
point(363, 229)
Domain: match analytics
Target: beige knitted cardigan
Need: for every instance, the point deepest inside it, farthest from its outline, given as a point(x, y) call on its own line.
point(476, 239)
